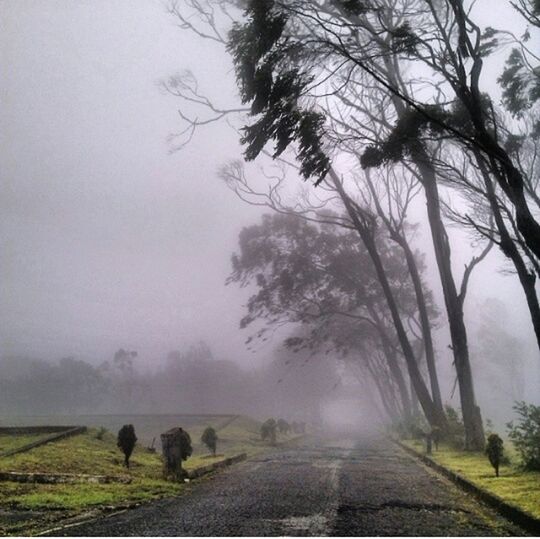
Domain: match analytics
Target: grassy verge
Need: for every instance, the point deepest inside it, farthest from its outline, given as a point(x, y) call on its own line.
point(9, 442)
point(86, 454)
point(513, 486)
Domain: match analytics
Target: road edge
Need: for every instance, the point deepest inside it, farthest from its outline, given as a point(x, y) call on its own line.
point(511, 512)
point(109, 512)
point(203, 470)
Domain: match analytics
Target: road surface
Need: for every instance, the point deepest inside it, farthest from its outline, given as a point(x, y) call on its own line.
point(336, 488)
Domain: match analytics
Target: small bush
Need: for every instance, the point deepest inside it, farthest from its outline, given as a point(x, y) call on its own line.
point(412, 428)
point(176, 446)
point(525, 434)
point(417, 432)
point(456, 429)
point(283, 426)
point(209, 438)
point(126, 442)
point(495, 451)
point(399, 428)
point(268, 430)
point(186, 449)
point(100, 434)
point(436, 436)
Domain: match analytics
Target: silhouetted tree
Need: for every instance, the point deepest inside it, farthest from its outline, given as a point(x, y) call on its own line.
point(186, 447)
point(268, 430)
point(436, 437)
point(494, 451)
point(294, 89)
point(209, 438)
point(316, 273)
point(268, 35)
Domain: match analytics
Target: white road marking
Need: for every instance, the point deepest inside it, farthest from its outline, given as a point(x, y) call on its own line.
point(321, 524)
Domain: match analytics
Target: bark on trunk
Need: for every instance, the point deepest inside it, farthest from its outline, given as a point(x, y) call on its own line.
point(474, 430)
point(424, 321)
point(508, 177)
point(472, 420)
point(415, 405)
point(510, 250)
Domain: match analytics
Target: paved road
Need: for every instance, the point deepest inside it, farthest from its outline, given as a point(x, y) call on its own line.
point(339, 488)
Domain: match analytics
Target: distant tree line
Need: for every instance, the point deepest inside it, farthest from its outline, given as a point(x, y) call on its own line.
point(192, 381)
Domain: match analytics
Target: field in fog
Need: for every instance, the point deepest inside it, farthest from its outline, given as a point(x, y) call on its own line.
point(147, 426)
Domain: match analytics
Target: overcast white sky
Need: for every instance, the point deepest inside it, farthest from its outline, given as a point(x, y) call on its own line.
point(106, 240)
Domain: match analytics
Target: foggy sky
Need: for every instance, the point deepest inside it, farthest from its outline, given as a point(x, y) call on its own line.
point(106, 240)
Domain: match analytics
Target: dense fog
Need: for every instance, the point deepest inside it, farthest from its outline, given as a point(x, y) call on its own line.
point(188, 382)
point(118, 225)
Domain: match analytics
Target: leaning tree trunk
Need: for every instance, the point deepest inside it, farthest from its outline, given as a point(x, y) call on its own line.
point(511, 181)
point(387, 395)
point(430, 411)
point(395, 369)
point(472, 419)
point(425, 323)
point(415, 404)
point(510, 250)
point(398, 235)
point(485, 138)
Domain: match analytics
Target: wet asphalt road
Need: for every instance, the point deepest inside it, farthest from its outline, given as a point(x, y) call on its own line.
point(336, 488)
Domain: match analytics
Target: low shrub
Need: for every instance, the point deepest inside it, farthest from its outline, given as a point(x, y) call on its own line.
point(436, 436)
point(186, 448)
point(488, 427)
point(525, 434)
point(495, 451)
point(456, 429)
point(414, 428)
point(100, 434)
point(283, 426)
point(126, 442)
point(209, 438)
point(268, 430)
point(176, 446)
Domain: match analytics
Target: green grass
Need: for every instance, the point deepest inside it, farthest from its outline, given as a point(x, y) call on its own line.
point(86, 454)
point(513, 485)
point(9, 441)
